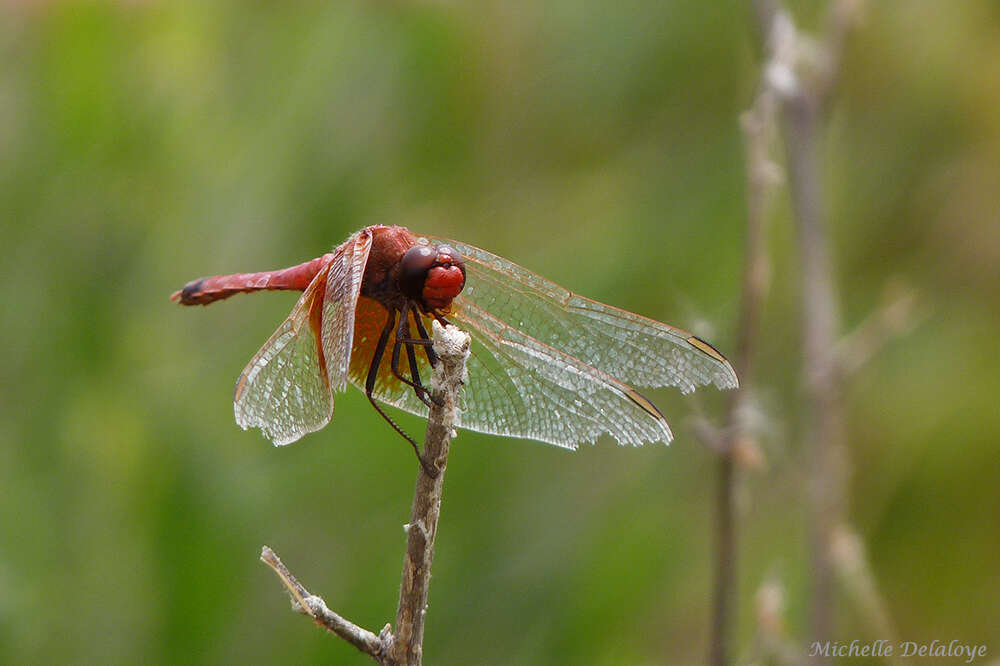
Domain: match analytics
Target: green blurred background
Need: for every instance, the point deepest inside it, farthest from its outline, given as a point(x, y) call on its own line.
point(145, 144)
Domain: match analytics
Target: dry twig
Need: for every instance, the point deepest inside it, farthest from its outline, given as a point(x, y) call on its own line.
point(315, 607)
point(759, 124)
point(762, 175)
point(806, 86)
point(405, 646)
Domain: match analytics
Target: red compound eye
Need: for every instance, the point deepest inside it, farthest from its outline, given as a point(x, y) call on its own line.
point(432, 275)
point(443, 283)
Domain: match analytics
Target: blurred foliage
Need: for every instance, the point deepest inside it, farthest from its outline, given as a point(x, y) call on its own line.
point(145, 144)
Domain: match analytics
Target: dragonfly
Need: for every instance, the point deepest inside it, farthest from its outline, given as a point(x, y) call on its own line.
point(546, 364)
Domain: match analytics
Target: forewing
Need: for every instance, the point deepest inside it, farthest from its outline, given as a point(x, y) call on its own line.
point(284, 389)
point(343, 288)
point(547, 364)
point(627, 346)
point(518, 387)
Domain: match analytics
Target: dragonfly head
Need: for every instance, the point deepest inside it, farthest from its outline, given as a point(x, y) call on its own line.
point(432, 275)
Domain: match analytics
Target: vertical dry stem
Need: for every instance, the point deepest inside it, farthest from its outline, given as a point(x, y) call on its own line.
point(758, 127)
point(407, 643)
point(805, 96)
point(820, 327)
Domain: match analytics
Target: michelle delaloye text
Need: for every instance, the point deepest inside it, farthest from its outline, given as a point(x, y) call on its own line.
point(882, 648)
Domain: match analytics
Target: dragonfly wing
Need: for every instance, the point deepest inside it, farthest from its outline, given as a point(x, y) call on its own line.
point(627, 346)
point(343, 288)
point(521, 387)
point(547, 364)
point(284, 389)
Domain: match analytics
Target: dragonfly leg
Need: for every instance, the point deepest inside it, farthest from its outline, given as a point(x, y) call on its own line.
point(425, 342)
point(429, 469)
point(422, 332)
point(403, 339)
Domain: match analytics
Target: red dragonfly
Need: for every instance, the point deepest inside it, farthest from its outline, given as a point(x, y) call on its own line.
point(546, 364)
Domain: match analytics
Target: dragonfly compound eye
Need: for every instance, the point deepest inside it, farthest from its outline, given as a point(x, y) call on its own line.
point(414, 266)
point(431, 275)
point(445, 279)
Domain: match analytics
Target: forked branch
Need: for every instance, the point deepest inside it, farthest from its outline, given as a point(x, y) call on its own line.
point(797, 78)
point(405, 645)
point(805, 89)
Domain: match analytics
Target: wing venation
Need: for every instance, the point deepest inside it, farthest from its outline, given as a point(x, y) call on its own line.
point(551, 365)
point(284, 389)
point(287, 388)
